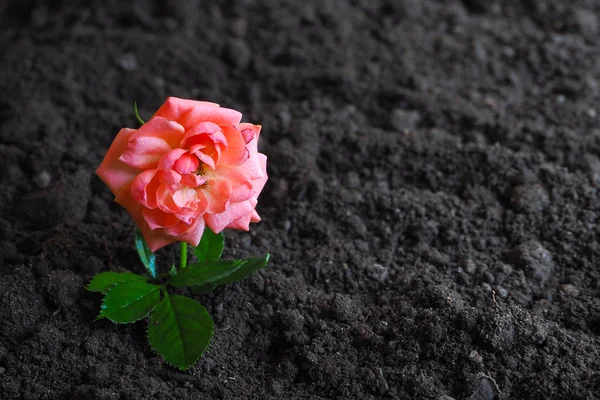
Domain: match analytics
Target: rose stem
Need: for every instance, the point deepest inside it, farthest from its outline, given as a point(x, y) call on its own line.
point(183, 255)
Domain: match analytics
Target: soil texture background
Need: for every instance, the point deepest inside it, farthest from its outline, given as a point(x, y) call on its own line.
point(432, 210)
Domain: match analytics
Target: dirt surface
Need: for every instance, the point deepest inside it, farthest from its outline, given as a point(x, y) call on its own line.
point(432, 209)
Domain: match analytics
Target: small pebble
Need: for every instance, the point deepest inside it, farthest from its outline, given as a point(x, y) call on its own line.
point(43, 179)
point(287, 225)
point(569, 290)
point(377, 272)
point(534, 259)
point(502, 293)
point(488, 277)
point(402, 119)
point(470, 267)
point(128, 62)
point(482, 390)
point(475, 356)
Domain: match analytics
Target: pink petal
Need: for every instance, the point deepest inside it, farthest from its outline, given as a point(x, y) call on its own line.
point(155, 239)
point(158, 219)
point(168, 160)
point(184, 196)
point(206, 159)
point(259, 183)
point(205, 129)
point(193, 180)
point(158, 127)
point(255, 217)
point(218, 196)
point(236, 152)
point(164, 199)
point(114, 172)
point(144, 152)
point(174, 108)
point(250, 131)
point(201, 113)
point(218, 222)
point(169, 177)
point(252, 167)
point(193, 234)
point(187, 163)
point(241, 183)
point(142, 190)
point(242, 223)
point(178, 229)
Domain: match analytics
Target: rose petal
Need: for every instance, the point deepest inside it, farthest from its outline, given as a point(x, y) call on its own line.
point(255, 217)
point(206, 129)
point(187, 163)
point(168, 160)
point(193, 180)
point(218, 222)
point(218, 196)
point(193, 234)
point(206, 159)
point(184, 196)
point(157, 218)
point(169, 177)
point(158, 127)
point(155, 239)
point(144, 152)
point(218, 115)
point(252, 167)
point(143, 189)
point(250, 131)
point(174, 107)
point(164, 199)
point(236, 152)
point(114, 172)
point(243, 223)
point(241, 183)
point(259, 183)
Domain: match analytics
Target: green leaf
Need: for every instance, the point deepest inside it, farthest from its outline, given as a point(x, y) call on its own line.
point(204, 289)
point(204, 272)
point(104, 281)
point(180, 330)
point(249, 266)
point(130, 301)
point(210, 247)
point(146, 255)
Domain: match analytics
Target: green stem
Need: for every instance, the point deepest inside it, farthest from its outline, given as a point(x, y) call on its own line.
point(183, 255)
point(137, 114)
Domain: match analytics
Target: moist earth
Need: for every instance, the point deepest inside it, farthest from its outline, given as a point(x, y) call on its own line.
point(432, 209)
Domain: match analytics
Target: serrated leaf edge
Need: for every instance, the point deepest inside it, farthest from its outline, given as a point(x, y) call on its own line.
point(102, 307)
point(87, 287)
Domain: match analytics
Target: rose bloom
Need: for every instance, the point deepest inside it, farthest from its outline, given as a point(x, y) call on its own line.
point(192, 164)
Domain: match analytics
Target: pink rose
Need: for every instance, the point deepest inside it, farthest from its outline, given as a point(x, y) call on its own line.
point(192, 164)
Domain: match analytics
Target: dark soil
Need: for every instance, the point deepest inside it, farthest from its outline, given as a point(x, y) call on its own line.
point(432, 209)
